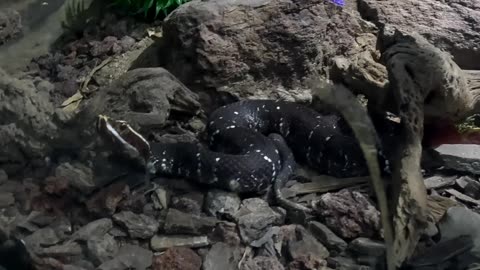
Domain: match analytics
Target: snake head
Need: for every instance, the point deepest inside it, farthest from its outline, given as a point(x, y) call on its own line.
point(123, 138)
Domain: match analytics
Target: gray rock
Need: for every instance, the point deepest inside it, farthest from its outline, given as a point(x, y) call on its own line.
point(138, 226)
point(365, 246)
point(302, 245)
point(43, 237)
point(177, 222)
point(78, 175)
point(6, 199)
point(222, 256)
point(160, 243)
point(102, 249)
point(255, 218)
point(327, 237)
point(69, 249)
point(460, 157)
point(439, 181)
point(448, 24)
point(262, 263)
point(220, 202)
point(463, 181)
point(189, 203)
point(72, 267)
point(94, 229)
point(345, 263)
point(244, 57)
point(3, 176)
point(10, 25)
point(129, 257)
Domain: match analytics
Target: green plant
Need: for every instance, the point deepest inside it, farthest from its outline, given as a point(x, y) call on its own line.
point(146, 6)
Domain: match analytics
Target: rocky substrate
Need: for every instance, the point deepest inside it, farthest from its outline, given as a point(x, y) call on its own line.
point(77, 207)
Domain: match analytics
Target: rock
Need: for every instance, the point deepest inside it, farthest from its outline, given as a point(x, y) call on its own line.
point(177, 222)
point(101, 249)
point(179, 258)
point(302, 247)
point(222, 256)
point(460, 221)
point(365, 246)
point(189, 203)
point(106, 200)
point(349, 214)
point(65, 251)
point(129, 257)
point(160, 198)
point(43, 237)
point(329, 239)
point(26, 127)
point(160, 243)
point(3, 177)
point(226, 232)
point(268, 55)
point(345, 263)
point(78, 175)
point(463, 181)
point(56, 185)
point(444, 23)
point(255, 218)
point(138, 226)
point(472, 189)
point(94, 229)
point(6, 199)
point(221, 202)
point(460, 157)
point(10, 25)
point(262, 263)
point(439, 181)
point(135, 98)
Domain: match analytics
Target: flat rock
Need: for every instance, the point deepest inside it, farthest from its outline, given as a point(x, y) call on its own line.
point(43, 237)
point(366, 246)
point(96, 228)
point(189, 203)
point(138, 225)
point(439, 181)
point(177, 222)
point(179, 258)
point(160, 243)
point(262, 263)
point(129, 257)
point(460, 157)
point(444, 23)
point(302, 246)
point(328, 238)
point(78, 175)
point(255, 218)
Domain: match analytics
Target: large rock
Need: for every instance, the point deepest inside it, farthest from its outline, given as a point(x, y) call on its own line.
point(259, 47)
point(451, 25)
point(10, 25)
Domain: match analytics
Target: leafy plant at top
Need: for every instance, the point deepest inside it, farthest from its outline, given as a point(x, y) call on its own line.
point(146, 6)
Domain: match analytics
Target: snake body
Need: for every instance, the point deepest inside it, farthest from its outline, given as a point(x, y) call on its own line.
point(244, 159)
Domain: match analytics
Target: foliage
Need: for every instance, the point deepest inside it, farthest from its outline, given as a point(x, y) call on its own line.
point(147, 6)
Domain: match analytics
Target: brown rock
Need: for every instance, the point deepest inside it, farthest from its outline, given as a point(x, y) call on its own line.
point(450, 25)
point(349, 214)
point(105, 201)
point(178, 258)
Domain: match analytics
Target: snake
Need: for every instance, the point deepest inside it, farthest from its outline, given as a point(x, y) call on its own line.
point(250, 145)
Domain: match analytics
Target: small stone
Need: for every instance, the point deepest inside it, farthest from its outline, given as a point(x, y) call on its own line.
point(463, 181)
point(138, 226)
point(222, 256)
point(327, 237)
point(302, 245)
point(129, 257)
point(262, 263)
point(160, 198)
point(55, 185)
point(69, 249)
point(472, 189)
point(462, 197)
point(220, 202)
point(106, 201)
point(102, 249)
point(160, 243)
point(3, 176)
point(177, 258)
point(345, 263)
point(189, 203)
point(177, 222)
point(78, 176)
point(226, 232)
point(127, 42)
point(94, 229)
point(368, 247)
point(43, 237)
point(255, 218)
point(6, 199)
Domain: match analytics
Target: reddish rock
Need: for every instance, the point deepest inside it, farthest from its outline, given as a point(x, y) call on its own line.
point(105, 201)
point(178, 258)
